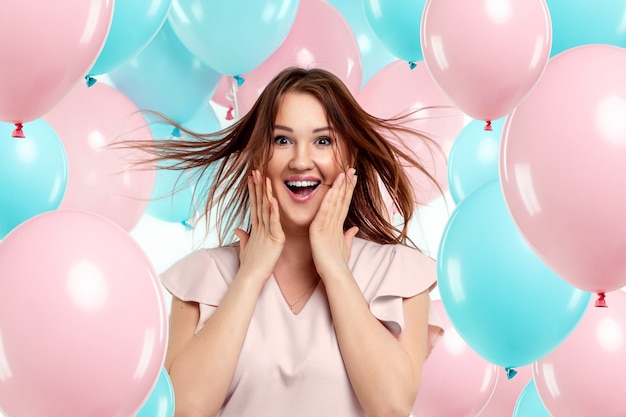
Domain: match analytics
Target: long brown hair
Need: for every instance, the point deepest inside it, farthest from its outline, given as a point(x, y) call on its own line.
point(222, 160)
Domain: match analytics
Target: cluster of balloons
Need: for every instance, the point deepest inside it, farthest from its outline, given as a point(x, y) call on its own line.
point(535, 175)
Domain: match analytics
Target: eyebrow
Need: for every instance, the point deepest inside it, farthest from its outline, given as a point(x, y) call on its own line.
point(288, 129)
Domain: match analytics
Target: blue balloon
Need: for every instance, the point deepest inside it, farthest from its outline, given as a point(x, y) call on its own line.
point(134, 24)
point(529, 403)
point(233, 37)
point(167, 78)
point(173, 199)
point(473, 159)
point(503, 300)
point(583, 22)
point(33, 173)
point(161, 401)
point(374, 54)
point(397, 24)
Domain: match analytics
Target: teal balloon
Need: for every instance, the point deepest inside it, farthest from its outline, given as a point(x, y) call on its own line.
point(502, 299)
point(33, 173)
point(529, 403)
point(161, 401)
point(173, 197)
point(133, 25)
point(473, 158)
point(167, 78)
point(583, 22)
point(374, 54)
point(233, 37)
point(397, 24)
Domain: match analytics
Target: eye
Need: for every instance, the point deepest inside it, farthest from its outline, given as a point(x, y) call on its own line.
point(282, 140)
point(324, 141)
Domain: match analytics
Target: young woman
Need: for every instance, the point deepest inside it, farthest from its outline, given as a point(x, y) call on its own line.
point(314, 304)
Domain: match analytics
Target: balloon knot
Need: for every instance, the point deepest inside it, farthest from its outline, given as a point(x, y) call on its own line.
point(229, 114)
point(239, 80)
point(187, 225)
point(412, 64)
point(510, 372)
point(176, 132)
point(18, 133)
point(601, 302)
point(90, 80)
point(488, 125)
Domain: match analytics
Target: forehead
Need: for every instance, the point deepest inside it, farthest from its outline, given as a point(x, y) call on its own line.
point(300, 108)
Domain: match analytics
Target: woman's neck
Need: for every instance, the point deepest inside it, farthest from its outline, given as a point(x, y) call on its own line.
point(297, 250)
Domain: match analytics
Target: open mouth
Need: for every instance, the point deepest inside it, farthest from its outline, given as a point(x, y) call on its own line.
point(302, 188)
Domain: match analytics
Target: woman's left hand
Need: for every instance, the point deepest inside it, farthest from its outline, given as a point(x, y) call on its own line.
point(329, 244)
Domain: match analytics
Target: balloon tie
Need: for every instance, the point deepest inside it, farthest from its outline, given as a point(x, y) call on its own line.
point(412, 64)
point(187, 225)
point(488, 125)
point(18, 133)
point(232, 97)
point(176, 132)
point(229, 113)
point(601, 302)
point(510, 372)
point(90, 80)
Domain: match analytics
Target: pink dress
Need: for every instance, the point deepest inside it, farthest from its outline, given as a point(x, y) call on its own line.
point(290, 364)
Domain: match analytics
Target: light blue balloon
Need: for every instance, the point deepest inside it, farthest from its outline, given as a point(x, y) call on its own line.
point(374, 54)
point(529, 403)
point(133, 25)
point(503, 300)
point(397, 24)
point(33, 173)
point(173, 198)
point(473, 159)
point(233, 37)
point(583, 22)
point(167, 78)
point(161, 401)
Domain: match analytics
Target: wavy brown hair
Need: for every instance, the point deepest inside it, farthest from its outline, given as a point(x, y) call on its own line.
point(222, 160)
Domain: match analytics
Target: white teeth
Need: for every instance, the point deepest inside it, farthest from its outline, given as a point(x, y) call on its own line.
point(299, 184)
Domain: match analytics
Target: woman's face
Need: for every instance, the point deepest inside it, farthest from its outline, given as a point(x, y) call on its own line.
point(306, 158)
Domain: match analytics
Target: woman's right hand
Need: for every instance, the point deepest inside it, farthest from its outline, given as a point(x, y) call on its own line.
point(259, 251)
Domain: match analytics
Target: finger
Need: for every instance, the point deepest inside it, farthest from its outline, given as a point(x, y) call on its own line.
point(267, 205)
point(350, 185)
point(254, 218)
point(243, 238)
point(258, 189)
point(337, 201)
point(349, 236)
point(276, 229)
point(326, 211)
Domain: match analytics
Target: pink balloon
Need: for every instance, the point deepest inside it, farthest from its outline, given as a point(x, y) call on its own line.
point(486, 56)
point(102, 179)
point(83, 322)
point(456, 381)
point(47, 48)
point(398, 89)
point(506, 392)
point(319, 38)
point(562, 167)
point(584, 376)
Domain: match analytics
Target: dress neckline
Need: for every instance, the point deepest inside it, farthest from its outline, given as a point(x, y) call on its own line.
point(305, 299)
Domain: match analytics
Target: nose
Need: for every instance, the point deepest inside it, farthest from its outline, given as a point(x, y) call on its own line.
point(301, 159)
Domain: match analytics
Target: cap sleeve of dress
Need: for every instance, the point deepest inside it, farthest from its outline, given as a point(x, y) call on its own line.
point(399, 272)
point(202, 276)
